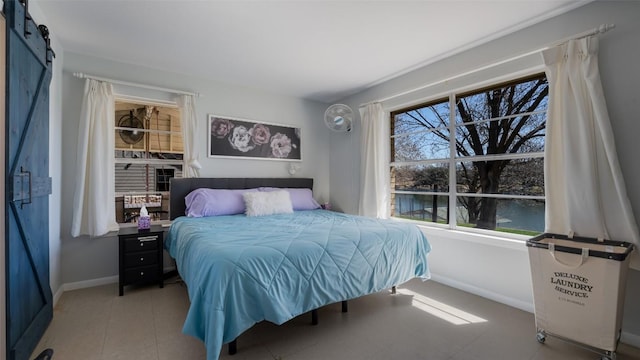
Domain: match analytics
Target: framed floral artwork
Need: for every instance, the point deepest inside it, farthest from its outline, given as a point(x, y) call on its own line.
point(232, 137)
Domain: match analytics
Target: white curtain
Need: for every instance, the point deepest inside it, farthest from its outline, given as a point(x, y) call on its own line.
point(585, 191)
point(189, 123)
point(94, 211)
point(374, 166)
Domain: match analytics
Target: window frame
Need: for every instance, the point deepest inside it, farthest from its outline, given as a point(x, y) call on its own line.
point(147, 150)
point(452, 194)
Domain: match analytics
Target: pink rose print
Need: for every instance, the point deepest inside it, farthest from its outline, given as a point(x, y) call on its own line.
point(240, 139)
point(260, 134)
point(220, 127)
point(280, 145)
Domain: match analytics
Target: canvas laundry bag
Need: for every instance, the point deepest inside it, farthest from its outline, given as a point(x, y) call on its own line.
point(578, 287)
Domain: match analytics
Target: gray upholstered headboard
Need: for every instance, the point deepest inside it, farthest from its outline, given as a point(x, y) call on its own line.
point(180, 188)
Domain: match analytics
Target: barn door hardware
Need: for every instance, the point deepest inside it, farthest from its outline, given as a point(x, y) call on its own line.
point(44, 30)
point(25, 187)
point(27, 18)
point(19, 192)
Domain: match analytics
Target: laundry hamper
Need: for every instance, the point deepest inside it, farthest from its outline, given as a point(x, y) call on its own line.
point(578, 289)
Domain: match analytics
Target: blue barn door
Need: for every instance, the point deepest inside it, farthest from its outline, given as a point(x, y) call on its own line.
point(27, 184)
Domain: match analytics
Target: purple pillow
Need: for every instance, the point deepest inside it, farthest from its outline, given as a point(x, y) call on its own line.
point(213, 202)
point(301, 199)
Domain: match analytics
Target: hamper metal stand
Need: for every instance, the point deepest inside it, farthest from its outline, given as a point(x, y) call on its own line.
point(541, 336)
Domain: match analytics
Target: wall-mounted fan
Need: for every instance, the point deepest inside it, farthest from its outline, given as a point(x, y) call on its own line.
point(131, 136)
point(338, 117)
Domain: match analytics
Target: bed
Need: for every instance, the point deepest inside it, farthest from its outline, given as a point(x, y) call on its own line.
point(240, 270)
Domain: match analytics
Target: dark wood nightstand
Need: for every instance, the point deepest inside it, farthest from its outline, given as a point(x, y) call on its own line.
point(140, 256)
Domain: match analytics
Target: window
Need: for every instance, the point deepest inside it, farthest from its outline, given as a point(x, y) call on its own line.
point(474, 159)
point(148, 152)
point(162, 178)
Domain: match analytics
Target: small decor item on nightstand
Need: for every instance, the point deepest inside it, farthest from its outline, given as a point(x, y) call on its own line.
point(326, 206)
point(144, 221)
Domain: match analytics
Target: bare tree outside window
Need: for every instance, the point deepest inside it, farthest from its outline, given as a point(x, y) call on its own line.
point(496, 151)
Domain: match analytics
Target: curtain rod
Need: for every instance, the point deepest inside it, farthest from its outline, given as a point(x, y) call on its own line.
point(138, 85)
point(599, 30)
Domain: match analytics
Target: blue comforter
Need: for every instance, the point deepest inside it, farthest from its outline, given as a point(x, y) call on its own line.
point(241, 270)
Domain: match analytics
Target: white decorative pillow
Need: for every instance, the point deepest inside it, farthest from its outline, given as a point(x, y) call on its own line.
point(267, 203)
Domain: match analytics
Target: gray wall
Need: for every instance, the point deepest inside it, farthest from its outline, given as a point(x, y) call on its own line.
point(88, 260)
point(498, 268)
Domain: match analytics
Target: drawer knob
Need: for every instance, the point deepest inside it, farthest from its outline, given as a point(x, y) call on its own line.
point(141, 273)
point(141, 259)
point(141, 244)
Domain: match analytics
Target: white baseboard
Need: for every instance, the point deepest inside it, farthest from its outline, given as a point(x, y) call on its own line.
point(57, 295)
point(90, 283)
point(82, 285)
point(630, 339)
point(519, 304)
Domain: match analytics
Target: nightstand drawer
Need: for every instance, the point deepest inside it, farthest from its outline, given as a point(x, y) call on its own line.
point(141, 256)
point(141, 243)
point(140, 259)
point(141, 274)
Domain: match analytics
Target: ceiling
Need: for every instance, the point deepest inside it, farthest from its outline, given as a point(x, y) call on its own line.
point(318, 50)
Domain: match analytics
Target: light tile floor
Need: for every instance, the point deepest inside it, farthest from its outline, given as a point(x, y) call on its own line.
point(425, 320)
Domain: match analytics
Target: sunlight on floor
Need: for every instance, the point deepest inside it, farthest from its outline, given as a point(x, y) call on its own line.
point(441, 310)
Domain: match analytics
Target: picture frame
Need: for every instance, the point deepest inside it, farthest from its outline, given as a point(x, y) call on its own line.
point(231, 137)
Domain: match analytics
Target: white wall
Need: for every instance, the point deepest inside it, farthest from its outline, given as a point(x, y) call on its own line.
point(87, 259)
point(490, 267)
